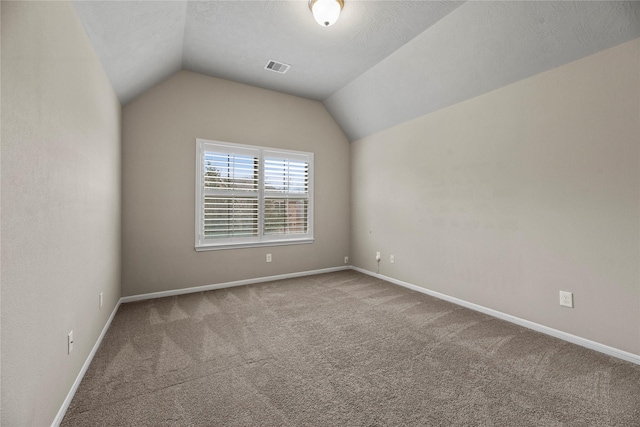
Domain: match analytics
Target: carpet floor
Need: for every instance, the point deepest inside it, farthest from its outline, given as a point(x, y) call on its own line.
point(341, 349)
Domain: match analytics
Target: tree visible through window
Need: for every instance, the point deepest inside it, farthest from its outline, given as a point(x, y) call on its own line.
point(285, 188)
point(250, 196)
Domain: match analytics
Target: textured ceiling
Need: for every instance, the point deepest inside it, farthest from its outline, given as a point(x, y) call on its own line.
point(142, 42)
point(382, 63)
point(138, 42)
point(234, 40)
point(480, 47)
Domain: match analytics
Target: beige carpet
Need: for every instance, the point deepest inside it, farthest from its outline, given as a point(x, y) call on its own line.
point(341, 349)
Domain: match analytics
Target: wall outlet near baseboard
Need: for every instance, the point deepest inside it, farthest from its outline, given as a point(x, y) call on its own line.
point(346, 260)
point(378, 256)
point(392, 259)
point(268, 257)
point(101, 300)
point(566, 299)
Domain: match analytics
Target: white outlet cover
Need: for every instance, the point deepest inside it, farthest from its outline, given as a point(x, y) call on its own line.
point(70, 342)
point(566, 299)
point(268, 257)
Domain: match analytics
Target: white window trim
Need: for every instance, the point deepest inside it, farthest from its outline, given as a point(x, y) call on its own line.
point(260, 240)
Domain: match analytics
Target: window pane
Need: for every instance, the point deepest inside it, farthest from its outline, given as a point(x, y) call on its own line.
point(286, 176)
point(285, 216)
point(230, 171)
point(250, 195)
point(230, 217)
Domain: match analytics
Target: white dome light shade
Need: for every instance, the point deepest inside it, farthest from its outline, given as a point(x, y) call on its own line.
point(326, 12)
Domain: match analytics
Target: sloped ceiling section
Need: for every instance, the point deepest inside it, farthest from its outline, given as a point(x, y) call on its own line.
point(235, 39)
point(479, 47)
point(383, 63)
point(142, 42)
point(139, 43)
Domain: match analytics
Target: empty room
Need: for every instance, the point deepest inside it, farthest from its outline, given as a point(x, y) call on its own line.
point(320, 213)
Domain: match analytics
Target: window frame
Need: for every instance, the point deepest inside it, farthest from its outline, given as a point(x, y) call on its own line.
point(261, 239)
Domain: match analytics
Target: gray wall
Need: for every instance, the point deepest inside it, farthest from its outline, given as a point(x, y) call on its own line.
point(158, 218)
point(507, 198)
point(501, 200)
point(60, 205)
point(479, 47)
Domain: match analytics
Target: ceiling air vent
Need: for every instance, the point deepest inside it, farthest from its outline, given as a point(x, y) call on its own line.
point(278, 67)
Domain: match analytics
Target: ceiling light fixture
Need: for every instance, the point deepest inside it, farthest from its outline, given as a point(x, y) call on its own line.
point(326, 12)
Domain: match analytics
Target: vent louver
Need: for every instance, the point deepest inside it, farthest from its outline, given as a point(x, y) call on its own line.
point(277, 67)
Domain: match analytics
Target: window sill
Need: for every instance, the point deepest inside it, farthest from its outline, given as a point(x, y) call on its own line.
point(287, 242)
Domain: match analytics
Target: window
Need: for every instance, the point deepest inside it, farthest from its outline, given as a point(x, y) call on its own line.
point(251, 196)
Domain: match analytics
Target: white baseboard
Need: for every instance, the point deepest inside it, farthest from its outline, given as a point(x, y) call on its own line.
point(67, 401)
point(611, 351)
point(229, 284)
point(602, 348)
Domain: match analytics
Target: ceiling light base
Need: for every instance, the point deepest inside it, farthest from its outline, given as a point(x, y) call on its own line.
point(326, 12)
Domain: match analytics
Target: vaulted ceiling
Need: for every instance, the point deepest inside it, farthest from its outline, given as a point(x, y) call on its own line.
point(382, 63)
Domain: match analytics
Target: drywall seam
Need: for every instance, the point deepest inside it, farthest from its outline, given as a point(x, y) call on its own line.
point(574, 339)
point(67, 401)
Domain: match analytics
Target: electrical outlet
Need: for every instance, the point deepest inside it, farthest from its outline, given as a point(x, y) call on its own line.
point(378, 256)
point(70, 342)
point(346, 260)
point(101, 300)
point(566, 299)
point(392, 259)
point(268, 257)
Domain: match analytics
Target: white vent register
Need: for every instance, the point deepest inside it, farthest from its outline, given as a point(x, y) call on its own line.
point(277, 67)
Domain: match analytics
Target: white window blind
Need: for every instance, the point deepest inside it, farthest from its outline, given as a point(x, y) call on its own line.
point(286, 194)
point(251, 196)
point(230, 194)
